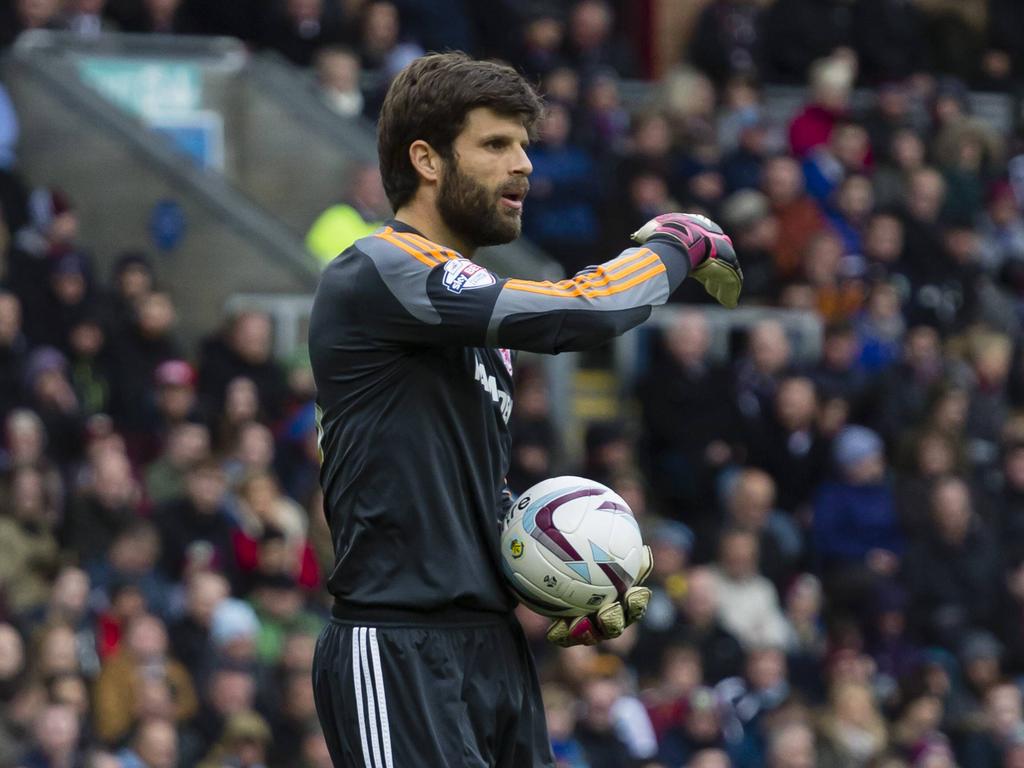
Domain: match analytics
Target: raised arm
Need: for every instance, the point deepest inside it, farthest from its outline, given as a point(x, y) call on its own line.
point(449, 300)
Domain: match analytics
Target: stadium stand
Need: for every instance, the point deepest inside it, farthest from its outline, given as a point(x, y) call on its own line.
point(839, 544)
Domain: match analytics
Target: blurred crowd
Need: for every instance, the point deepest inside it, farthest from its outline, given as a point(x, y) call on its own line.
point(839, 541)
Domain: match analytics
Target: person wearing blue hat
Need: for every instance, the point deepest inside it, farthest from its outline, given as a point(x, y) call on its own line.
point(855, 531)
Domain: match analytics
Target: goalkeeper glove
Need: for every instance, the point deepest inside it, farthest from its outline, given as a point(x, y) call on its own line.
point(611, 620)
point(713, 259)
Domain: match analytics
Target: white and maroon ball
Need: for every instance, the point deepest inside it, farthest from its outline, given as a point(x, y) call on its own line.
point(570, 546)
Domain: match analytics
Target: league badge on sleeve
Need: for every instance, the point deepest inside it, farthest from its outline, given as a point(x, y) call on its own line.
point(463, 275)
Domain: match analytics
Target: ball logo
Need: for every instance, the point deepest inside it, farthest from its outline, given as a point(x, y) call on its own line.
point(524, 502)
point(550, 581)
point(516, 548)
point(463, 275)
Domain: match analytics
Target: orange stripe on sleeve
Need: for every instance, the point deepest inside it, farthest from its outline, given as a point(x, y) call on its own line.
point(591, 284)
point(548, 289)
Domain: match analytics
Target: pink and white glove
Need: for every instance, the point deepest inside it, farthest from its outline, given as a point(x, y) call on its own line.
point(713, 260)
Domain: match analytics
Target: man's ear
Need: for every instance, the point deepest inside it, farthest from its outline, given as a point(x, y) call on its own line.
point(425, 161)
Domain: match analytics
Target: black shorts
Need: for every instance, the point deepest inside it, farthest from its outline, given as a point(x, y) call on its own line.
point(403, 696)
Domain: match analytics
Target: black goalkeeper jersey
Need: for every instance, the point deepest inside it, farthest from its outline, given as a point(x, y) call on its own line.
point(410, 345)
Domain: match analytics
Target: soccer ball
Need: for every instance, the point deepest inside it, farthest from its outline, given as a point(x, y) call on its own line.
point(570, 546)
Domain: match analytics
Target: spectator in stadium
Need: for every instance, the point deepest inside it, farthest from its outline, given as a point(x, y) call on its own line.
point(758, 373)
point(728, 39)
point(90, 361)
point(853, 731)
point(680, 675)
point(1007, 512)
point(176, 399)
point(381, 44)
point(363, 209)
point(196, 529)
point(33, 14)
point(278, 602)
point(953, 571)
point(28, 547)
point(104, 509)
point(244, 743)
point(338, 73)
point(903, 153)
point(754, 231)
point(145, 653)
point(672, 544)
point(750, 699)
point(132, 278)
point(596, 730)
point(13, 352)
point(1002, 227)
point(831, 81)
point(162, 17)
point(187, 443)
point(565, 224)
point(792, 745)
point(230, 690)
point(86, 18)
point(263, 511)
point(750, 504)
point(56, 736)
point(244, 350)
point(140, 349)
point(51, 396)
point(536, 449)
point(155, 745)
point(799, 217)
point(298, 28)
point(591, 44)
point(560, 709)
point(699, 729)
point(234, 631)
point(827, 165)
point(133, 558)
point(748, 605)
point(542, 38)
point(856, 531)
point(296, 711)
point(789, 445)
point(686, 453)
point(603, 124)
point(190, 634)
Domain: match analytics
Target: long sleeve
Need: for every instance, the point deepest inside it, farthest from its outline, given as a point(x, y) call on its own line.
point(413, 291)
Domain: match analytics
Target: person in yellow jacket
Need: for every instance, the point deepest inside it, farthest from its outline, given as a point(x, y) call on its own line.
point(363, 210)
point(121, 696)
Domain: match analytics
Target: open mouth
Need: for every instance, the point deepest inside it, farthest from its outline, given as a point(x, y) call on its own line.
point(513, 200)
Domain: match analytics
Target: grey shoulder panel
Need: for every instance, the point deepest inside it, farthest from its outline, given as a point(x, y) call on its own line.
point(403, 275)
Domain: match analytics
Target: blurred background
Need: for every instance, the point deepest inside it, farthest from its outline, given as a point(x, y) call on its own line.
point(832, 476)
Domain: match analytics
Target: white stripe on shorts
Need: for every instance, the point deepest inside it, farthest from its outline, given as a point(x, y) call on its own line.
point(371, 703)
point(357, 678)
point(382, 700)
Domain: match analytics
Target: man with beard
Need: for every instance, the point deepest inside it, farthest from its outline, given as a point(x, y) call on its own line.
point(424, 663)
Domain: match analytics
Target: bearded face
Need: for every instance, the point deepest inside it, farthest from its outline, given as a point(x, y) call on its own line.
point(480, 215)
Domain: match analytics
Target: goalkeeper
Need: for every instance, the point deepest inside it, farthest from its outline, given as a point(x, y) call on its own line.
point(423, 663)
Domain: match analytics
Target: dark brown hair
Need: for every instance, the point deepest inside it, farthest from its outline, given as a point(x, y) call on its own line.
point(430, 99)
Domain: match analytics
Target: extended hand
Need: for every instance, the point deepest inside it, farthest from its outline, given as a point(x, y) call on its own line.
point(713, 259)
